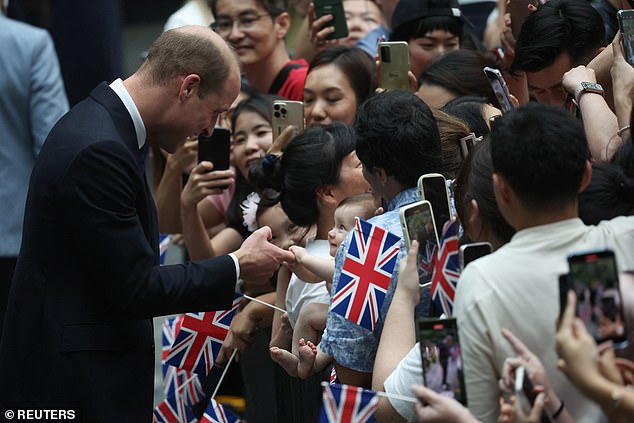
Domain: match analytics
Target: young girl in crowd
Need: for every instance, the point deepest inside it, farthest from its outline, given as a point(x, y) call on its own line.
point(339, 79)
point(311, 321)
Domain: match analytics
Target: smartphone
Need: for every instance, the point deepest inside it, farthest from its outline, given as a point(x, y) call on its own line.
point(519, 12)
point(469, 252)
point(433, 188)
point(626, 25)
point(500, 89)
point(417, 221)
point(215, 148)
point(394, 58)
point(442, 359)
point(523, 384)
point(285, 113)
point(595, 279)
point(334, 8)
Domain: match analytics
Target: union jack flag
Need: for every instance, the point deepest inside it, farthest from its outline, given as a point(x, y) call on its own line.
point(427, 259)
point(446, 270)
point(199, 338)
point(173, 410)
point(366, 273)
point(216, 413)
point(164, 242)
point(178, 381)
point(347, 404)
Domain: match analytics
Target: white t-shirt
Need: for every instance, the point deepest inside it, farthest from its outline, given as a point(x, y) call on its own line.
point(517, 288)
point(299, 292)
point(408, 372)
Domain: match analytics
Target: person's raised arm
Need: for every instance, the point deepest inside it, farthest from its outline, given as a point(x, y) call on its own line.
point(167, 193)
point(623, 83)
point(202, 182)
point(599, 122)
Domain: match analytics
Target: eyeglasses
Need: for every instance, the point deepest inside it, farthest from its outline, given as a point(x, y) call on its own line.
point(224, 26)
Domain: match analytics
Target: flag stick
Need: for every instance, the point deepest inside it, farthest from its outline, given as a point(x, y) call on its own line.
point(263, 303)
point(194, 376)
point(224, 372)
point(385, 394)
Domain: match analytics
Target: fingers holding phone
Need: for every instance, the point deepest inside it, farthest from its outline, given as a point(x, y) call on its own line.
point(203, 181)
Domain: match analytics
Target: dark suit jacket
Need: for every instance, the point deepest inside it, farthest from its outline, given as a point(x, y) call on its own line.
point(78, 332)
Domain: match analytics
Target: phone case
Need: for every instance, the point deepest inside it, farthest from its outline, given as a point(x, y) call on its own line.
point(470, 252)
point(433, 188)
point(335, 8)
point(394, 58)
point(285, 113)
point(626, 25)
point(500, 89)
point(442, 359)
point(418, 217)
point(215, 148)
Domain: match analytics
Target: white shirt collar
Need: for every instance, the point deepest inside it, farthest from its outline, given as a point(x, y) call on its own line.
point(119, 89)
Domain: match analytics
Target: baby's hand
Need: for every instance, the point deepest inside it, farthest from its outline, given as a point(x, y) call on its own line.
point(300, 253)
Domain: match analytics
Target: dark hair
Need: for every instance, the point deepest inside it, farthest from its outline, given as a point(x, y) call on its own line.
point(541, 151)
point(419, 28)
point(354, 63)
point(460, 72)
point(311, 159)
point(609, 194)
point(179, 52)
point(451, 129)
point(260, 104)
point(474, 182)
point(273, 7)
point(469, 110)
point(558, 26)
point(397, 132)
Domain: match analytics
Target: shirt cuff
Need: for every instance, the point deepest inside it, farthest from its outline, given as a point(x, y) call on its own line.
point(238, 286)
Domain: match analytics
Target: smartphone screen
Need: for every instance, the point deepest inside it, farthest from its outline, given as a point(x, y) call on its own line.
point(471, 252)
point(394, 58)
point(287, 113)
point(595, 280)
point(441, 357)
point(339, 22)
point(626, 25)
point(417, 221)
point(433, 188)
point(215, 148)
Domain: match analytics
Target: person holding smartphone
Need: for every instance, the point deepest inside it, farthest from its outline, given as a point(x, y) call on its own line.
point(541, 204)
point(431, 28)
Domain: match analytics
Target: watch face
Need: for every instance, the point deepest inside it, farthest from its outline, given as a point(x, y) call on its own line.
point(591, 86)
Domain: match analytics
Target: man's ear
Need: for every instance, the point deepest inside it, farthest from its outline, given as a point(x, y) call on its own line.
point(189, 86)
point(475, 221)
point(587, 176)
point(282, 25)
point(501, 188)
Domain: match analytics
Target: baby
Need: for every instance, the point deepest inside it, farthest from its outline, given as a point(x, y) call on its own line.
point(304, 359)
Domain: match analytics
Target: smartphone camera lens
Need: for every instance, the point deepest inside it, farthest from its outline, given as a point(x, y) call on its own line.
point(276, 114)
point(283, 110)
point(385, 54)
point(276, 107)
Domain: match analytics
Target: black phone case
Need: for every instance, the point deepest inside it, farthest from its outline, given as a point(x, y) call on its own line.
point(215, 149)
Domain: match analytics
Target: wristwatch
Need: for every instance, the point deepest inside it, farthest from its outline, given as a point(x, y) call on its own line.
point(587, 87)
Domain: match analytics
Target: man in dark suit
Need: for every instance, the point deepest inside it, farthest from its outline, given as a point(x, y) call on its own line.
point(78, 332)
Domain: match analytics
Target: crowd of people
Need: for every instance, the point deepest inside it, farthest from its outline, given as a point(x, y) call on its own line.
point(80, 277)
